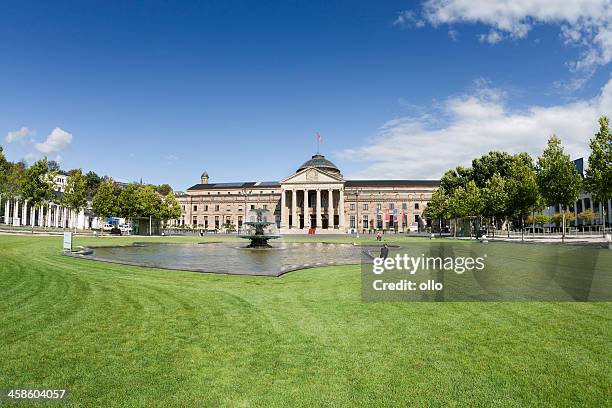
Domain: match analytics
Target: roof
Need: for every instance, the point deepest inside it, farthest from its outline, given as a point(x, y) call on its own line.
point(319, 161)
point(392, 183)
point(238, 185)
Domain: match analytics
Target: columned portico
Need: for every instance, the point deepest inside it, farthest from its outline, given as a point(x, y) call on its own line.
point(313, 187)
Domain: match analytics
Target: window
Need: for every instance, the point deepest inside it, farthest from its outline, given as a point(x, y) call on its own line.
point(379, 221)
point(391, 206)
point(195, 208)
point(205, 222)
point(378, 206)
point(252, 207)
point(216, 222)
point(195, 221)
point(265, 206)
point(365, 206)
point(416, 206)
point(404, 206)
point(352, 206)
point(183, 207)
point(416, 218)
point(217, 207)
point(352, 221)
point(366, 221)
point(239, 221)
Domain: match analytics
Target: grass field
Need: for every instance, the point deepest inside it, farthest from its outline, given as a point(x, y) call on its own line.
point(128, 336)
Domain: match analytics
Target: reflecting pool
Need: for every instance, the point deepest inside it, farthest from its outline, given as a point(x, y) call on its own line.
point(230, 257)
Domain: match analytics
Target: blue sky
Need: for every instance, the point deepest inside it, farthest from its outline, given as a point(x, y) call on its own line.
point(164, 90)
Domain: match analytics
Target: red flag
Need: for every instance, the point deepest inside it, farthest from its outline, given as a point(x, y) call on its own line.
point(386, 214)
point(319, 138)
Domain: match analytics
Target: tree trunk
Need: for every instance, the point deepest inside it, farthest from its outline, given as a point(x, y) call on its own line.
point(522, 227)
point(563, 224)
point(603, 212)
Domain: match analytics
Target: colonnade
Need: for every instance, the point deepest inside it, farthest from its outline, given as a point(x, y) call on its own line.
point(19, 213)
point(311, 215)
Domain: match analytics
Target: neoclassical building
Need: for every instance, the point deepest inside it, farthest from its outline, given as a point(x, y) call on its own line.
point(315, 199)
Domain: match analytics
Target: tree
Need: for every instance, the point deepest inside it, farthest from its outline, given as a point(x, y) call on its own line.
point(149, 203)
point(598, 176)
point(495, 198)
point(53, 166)
point(453, 179)
point(466, 201)
point(485, 167)
point(104, 202)
point(75, 195)
point(164, 189)
point(93, 181)
point(128, 201)
point(522, 188)
point(170, 208)
point(437, 209)
point(37, 186)
point(558, 178)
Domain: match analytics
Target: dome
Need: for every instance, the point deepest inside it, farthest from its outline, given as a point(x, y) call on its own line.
point(320, 162)
point(205, 174)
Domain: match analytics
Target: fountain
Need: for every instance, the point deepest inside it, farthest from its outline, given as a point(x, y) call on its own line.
point(259, 229)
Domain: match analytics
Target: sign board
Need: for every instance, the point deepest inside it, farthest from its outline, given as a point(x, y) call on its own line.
point(67, 241)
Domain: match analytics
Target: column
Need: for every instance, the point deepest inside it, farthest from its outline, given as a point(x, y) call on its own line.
point(283, 209)
point(583, 208)
point(24, 218)
point(48, 223)
point(15, 213)
point(306, 211)
point(294, 219)
point(341, 209)
point(330, 209)
point(318, 207)
point(58, 209)
point(7, 209)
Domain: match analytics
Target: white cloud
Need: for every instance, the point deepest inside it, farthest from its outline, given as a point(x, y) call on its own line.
point(171, 157)
point(19, 134)
point(453, 35)
point(493, 37)
point(57, 140)
point(584, 23)
point(477, 122)
point(408, 19)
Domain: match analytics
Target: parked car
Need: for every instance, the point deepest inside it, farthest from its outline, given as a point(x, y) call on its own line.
point(127, 228)
point(107, 226)
point(115, 231)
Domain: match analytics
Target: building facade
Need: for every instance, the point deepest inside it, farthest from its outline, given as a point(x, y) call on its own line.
point(315, 199)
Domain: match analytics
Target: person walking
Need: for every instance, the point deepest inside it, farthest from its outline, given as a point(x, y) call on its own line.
point(384, 251)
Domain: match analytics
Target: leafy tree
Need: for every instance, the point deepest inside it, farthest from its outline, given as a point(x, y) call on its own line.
point(105, 202)
point(128, 201)
point(485, 167)
point(93, 181)
point(149, 203)
point(466, 201)
point(495, 197)
point(75, 195)
point(37, 186)
point(170, 208)
point(453, 179)
point(437, 209)
point(598, 176)
point(558, 178)
point(522, 188)
point(164, 189)
point(53, 166)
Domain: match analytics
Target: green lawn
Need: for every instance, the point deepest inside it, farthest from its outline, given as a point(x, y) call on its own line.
point(128, 336)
